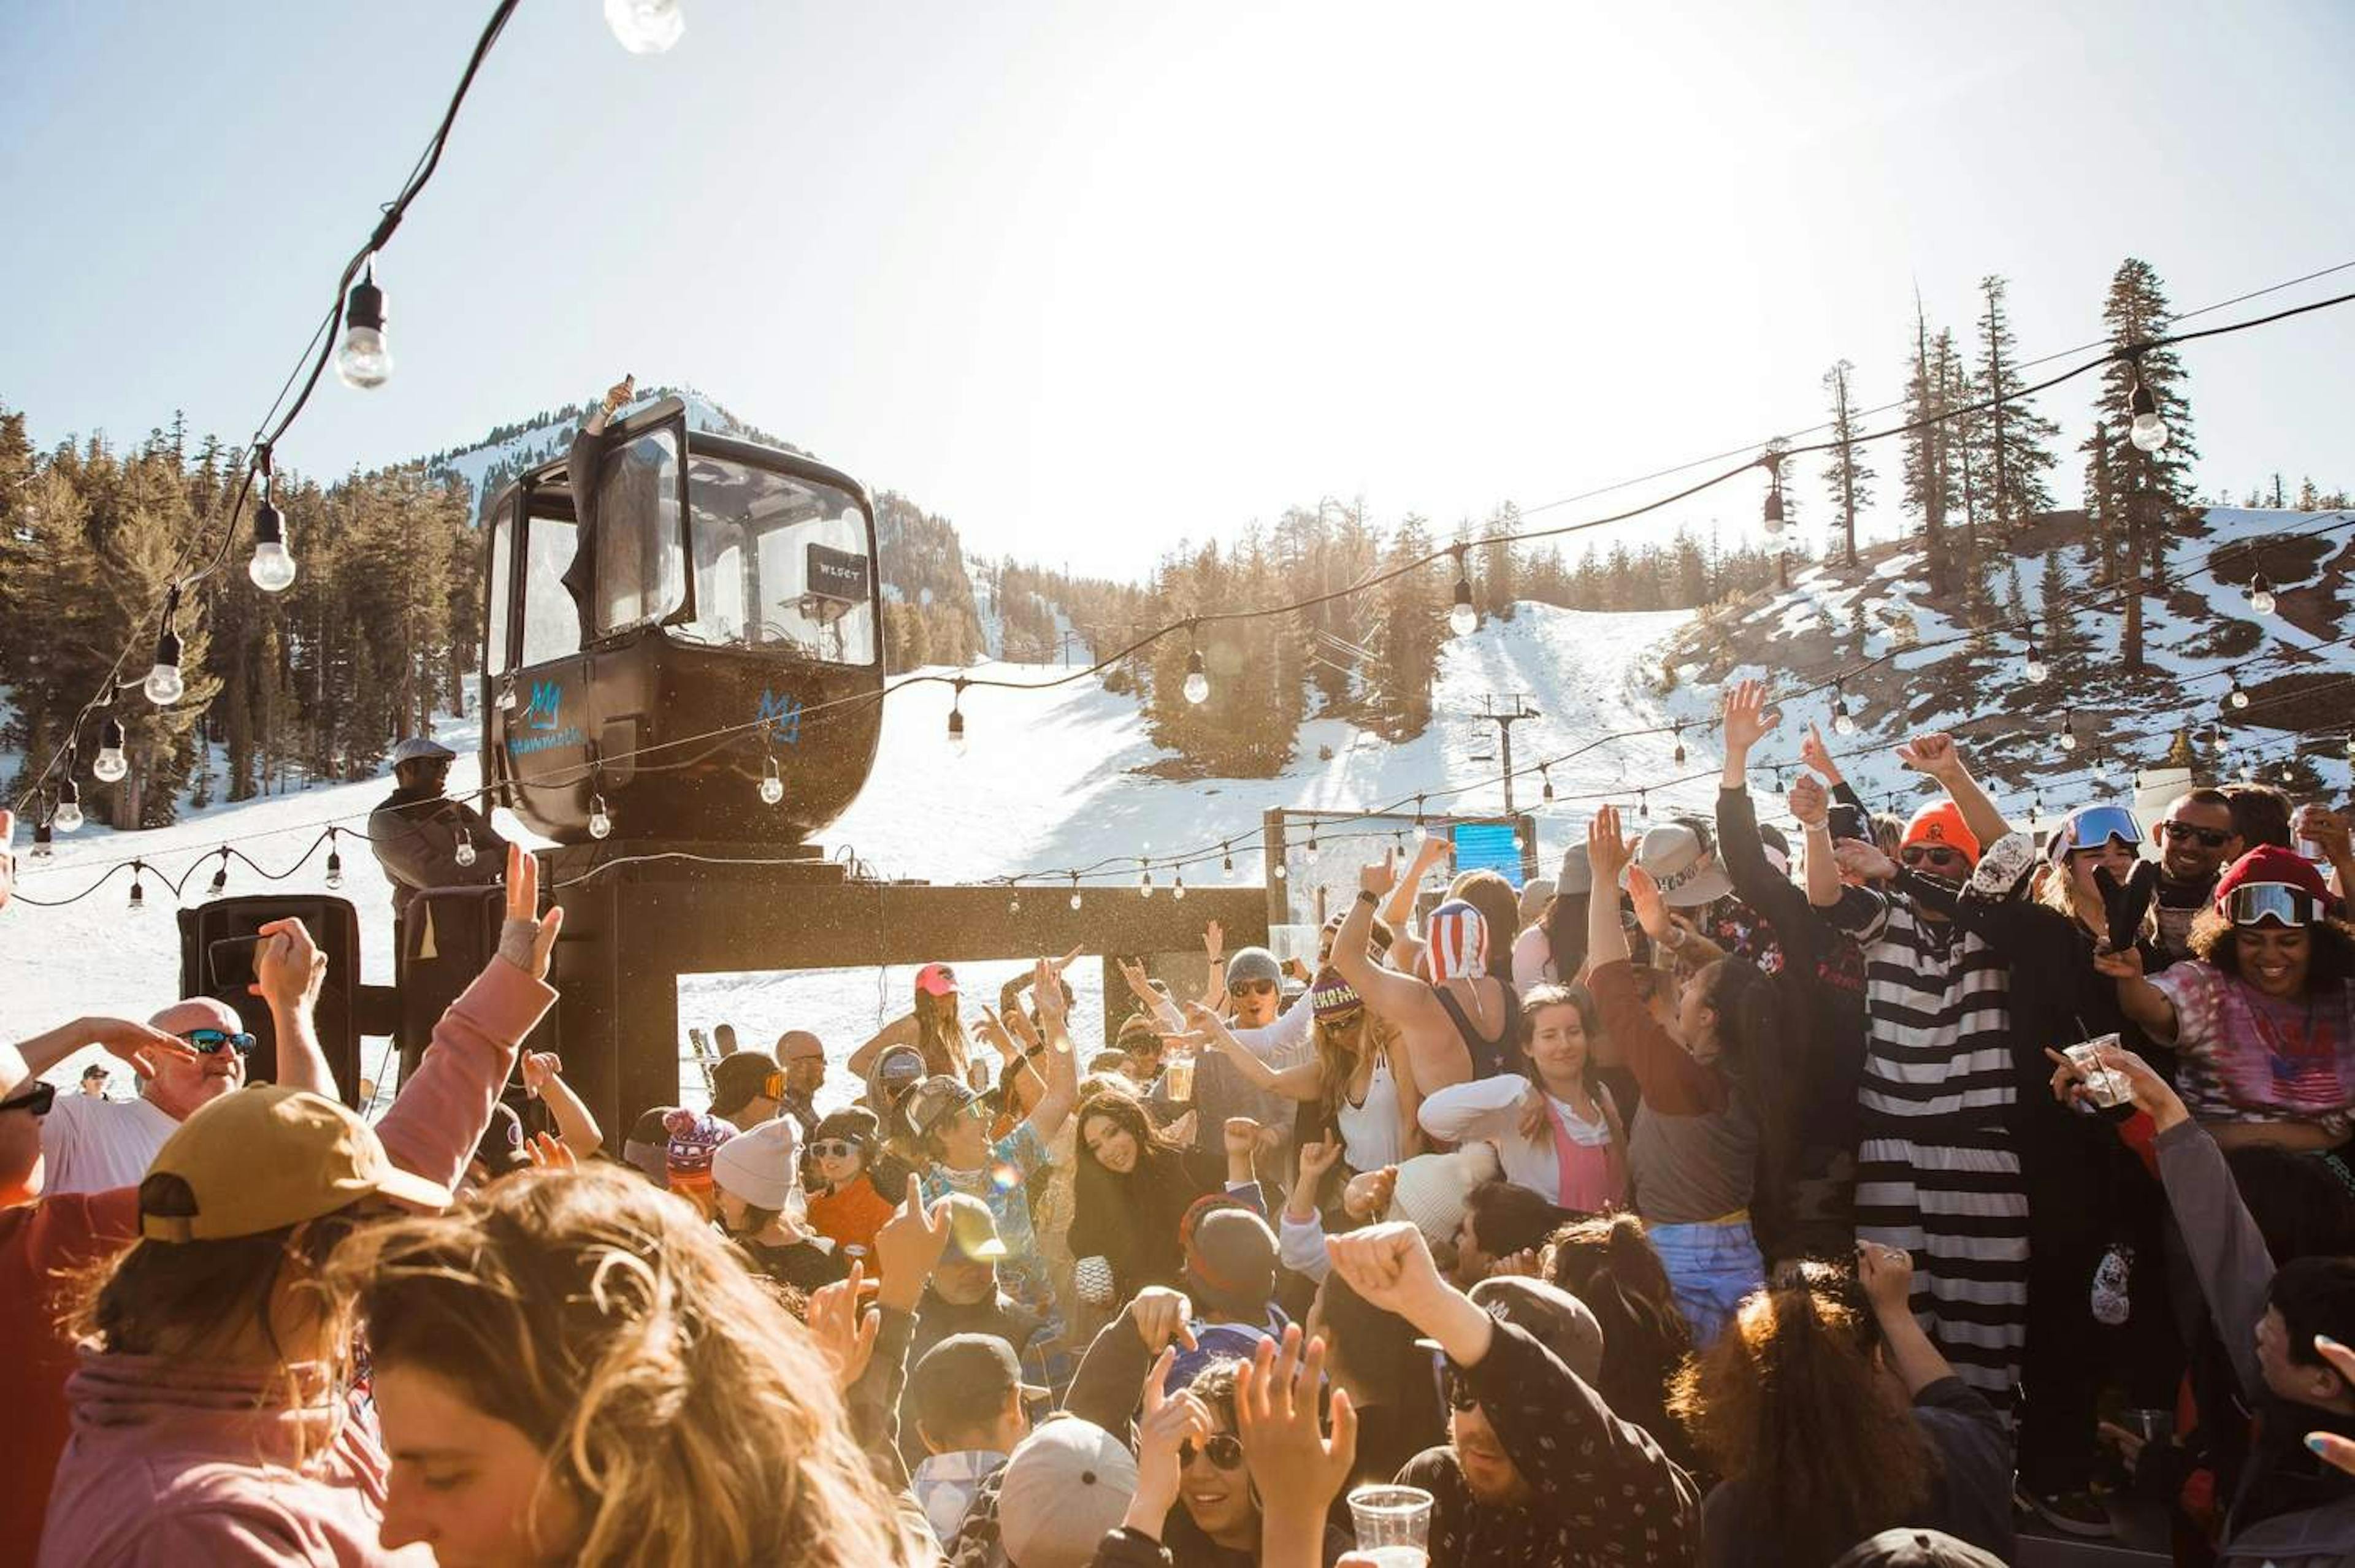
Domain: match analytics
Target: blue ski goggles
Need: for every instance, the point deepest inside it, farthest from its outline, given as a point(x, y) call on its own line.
point(2253, 903)
point(2091, 827)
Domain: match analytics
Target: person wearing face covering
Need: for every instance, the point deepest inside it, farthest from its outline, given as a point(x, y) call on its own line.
point(1459, 1024)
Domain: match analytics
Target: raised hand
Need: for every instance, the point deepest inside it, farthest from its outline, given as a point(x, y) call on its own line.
point(2150, 1092)
point(1292, 1463)
point(843, 1333)
point(548, 1152)
point(288, 966)
point(1934, 753)
point(619, 394)
point(1608, 853)
point(1367, 1195)
point(1047, 993)
point(1389, 1265)
point(1162, 1315)
point(1243, 1136)
point(1214, 940)
point(2336, 1451)
point(1168, 1421)
point(1379, 877)
point(539, 1067)
point(1140, 984)
point(1863, 860)
point(1887, 1276)
point(145, 1048)
point(1818, 756)
point(2119, 962)
point(1810, 802)
point(908, 1245)
point(1651, 909)
point(1747, 719)
point(527, 940)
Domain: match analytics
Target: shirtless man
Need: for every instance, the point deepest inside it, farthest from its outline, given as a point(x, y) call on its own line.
point(1456, 1030)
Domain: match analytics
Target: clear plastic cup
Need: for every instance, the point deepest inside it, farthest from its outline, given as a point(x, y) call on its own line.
point(1393, 1525)
point(2104, 1086)
point(1179, 1069)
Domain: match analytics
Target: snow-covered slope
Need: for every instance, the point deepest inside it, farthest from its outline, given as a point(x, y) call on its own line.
point(1049, 779)
point(488, 466)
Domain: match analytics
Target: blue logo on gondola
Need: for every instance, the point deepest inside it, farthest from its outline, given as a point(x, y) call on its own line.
point(547, 696)
point(782, 715)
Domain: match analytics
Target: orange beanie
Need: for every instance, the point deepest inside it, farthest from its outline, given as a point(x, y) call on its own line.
point(1940, 822)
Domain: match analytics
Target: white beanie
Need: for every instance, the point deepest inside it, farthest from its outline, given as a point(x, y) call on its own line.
point(1431, 1188)
point(760, 1165)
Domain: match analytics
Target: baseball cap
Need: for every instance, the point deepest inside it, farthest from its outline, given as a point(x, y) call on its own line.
point(742, 1077)
point(759, 1164)
point(265, 1157)
point(799, 1045)
point(898, 1069)
point(936, 980)
point(963, 1376)
point(973, 1231)
point(1940, 822)
point(501, 1145)
point(1549, 1314)
point(1916, 1548)
point(855, 1122)
point(1534, 893)
point(1065, 1488)
point(1686, 872)
point(934, 1102)
point(417, 748)
point(647, 1148)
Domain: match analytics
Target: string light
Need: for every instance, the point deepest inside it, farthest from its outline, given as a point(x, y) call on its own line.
point(1197, 680)
point(1679, 758)
point(1279, 872)
point(2068, 728)
point(335, 862)
point(220, 876)
point(956, 718)
point(1843, 722)
point(1643, 804)
point(1461, 619)
point(601, 821)
point(2238, 697)
point(1549, 779)
point(1177, 888)
point(464, 853)
point(138, 894)
point(646, 27)
point(68, 815)
point(271, 569)
point(2148, 431)
point(2248, 770)
point(1773, 514)
point(1144, 879)
point(1014, 903)
point(42, 849)
point(773, 788)
point(1419, 822)
point(1312, 838)
point(2034, 667)
point(111, 764)
point(364, 361)
point(1075, 889)
point(2261, 595)
point(164, 685)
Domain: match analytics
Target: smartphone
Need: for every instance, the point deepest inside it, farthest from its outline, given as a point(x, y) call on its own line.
point(1847, 822)
point(231, 961)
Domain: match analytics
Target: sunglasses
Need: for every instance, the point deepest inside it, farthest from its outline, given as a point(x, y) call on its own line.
point(1930, 855)
point(1255, 988)
point(37, 1099)
point(833, 1148)
point(211, 1041)
point(2211, 838)
point(1225, 1450)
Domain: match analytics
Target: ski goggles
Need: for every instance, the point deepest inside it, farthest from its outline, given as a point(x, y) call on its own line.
point(2092, 827)
point(2253, 903)
point(208, 1042)
point(37, 1099)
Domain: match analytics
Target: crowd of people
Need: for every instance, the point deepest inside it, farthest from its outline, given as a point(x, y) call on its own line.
point(1729, 1199)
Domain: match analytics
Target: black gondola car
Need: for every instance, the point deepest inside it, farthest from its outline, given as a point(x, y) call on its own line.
point(706, 617)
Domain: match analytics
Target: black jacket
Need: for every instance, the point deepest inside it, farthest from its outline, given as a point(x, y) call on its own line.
point(416, 834)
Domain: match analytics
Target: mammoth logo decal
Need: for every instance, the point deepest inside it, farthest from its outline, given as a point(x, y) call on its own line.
point(546, 697)
point(544, 718)
point(782, 715)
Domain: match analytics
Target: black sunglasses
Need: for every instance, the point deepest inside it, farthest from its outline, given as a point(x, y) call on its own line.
point(1930, 855)
point(37, 1099)
point(2212, 838)
point(1255, 988)
point(833, 1148)
point(1225, 1450)
point(208, 1042)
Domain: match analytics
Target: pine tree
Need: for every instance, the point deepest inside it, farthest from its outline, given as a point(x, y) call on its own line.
point(1929, 463)
point(1846, 471)
point(2136, 310)
point(2018, 453)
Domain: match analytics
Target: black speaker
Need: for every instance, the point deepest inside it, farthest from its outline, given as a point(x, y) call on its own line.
point(446, 938)
point(334, 925)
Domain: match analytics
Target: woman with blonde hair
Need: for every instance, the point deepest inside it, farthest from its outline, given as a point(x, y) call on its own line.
point(575, 1369)
point(1360, 1080)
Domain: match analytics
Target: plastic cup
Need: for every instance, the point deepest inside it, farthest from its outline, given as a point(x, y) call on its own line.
point(1179, 1069)
point(2104, 1086)
point(1393, 1525)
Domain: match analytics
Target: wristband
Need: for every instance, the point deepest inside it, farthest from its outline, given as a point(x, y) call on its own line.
point(1365, 898)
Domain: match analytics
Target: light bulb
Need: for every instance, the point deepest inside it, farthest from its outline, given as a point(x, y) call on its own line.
point(1549, 782)
point(111, 763)
point(272, 567)
point(646, 27)
point(1461, 619)
point(219, 883)
point(2068, 740)
point(1279, 872)
point(1843, 722)
point(2150, 432)
point(1773, 510)
point(1177, 890)
point(1197, 682)
point(334, 869)
point(773, 790)
point(957, 731)
point(601, 825)
point(2261, 595)
point(138, 895)
point(1013, 904)
point(1681, 745)
point(2037, 669)
point(1144, 885)
point(42, 849)
point(1229, 852)
point(164, 685)
point(1075, 898)
point(464, 853)
point(1643, 810)
point(68, 816)
point(2237, 697)
point(364, 361)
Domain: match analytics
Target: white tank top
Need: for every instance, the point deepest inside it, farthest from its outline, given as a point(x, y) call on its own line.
point(1369, 1133)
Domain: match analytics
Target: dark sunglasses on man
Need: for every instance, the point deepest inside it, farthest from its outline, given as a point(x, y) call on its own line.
point(1254, 987)
point(210, 1041)
point(2209, 837)
point(38, 1097)
point(1937, 857)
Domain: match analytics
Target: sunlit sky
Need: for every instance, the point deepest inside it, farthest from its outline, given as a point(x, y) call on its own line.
point(1093, 278)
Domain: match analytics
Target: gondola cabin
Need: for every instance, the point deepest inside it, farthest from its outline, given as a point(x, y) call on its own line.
point(675, 620)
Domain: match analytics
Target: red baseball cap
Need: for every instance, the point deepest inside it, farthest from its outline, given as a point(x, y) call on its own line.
point(936, 980)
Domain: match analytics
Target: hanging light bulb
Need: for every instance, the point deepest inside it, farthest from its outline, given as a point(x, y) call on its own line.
point(2034, 667)
point(272, 567)
point(646, 27)
point(1144, 879)
point(464, 853)
point(1549, 779)
point(1280, 873)
point(1197, 680)
point(364, 361)
point(2069, 730)
point(1312, 838)
point(1843, 722)
point(1418, 812)
point(1772, 512)
point(2350, 746)
point(2148, 431)
point(2100, 772)
point(1075, 889)
point(1227, 852)
point(956, 718)
point(164, 685)
point(1177, 888)
point(111, 764)
point(2248, 770)
point(2238, 697)
point(1681, 744)
point(772, 788)
point(66, 818)
point(138, 894)
point(42, 849)
point(1014, 903)
point(2261, 595)
point(335, 862)
point(600, 822)
point(1643, 804)
point(2035, 809)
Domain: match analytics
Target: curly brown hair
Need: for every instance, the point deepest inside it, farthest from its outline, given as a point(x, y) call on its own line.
point(2334, 949)
point(1789, 1405)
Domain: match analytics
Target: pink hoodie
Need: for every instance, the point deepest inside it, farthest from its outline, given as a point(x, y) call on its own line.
point(173, 1463)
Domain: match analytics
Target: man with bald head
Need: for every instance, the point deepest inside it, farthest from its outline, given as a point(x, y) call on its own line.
point(803, 1058)
point(93, 1145)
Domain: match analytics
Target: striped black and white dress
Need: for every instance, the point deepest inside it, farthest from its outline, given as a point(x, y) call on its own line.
point(1937, 1170)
